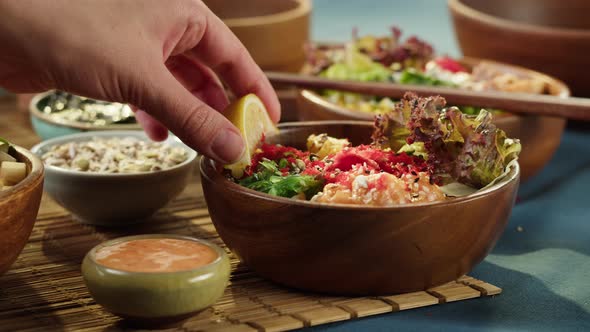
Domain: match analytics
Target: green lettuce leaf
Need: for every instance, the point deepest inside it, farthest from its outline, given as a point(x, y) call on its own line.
point(358, 67)
point(4, 145)
point(412, 76)
point(389, 130)
point(462, 148)
point(343, 71)
point(355, 67)
point(414, 149)
point(485, 152)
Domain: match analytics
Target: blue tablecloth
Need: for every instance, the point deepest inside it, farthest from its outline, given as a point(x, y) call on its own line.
point(542, 260)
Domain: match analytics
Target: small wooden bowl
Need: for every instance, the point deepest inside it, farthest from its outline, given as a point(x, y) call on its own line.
point(540, 135)
point(274, 32)
point(19, 206)
point(552, 36)
point(359, 250)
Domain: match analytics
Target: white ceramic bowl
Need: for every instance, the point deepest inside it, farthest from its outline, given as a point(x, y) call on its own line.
point(114, 199)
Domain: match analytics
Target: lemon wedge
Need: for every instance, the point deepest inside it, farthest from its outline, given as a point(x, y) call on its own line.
point(249, 115)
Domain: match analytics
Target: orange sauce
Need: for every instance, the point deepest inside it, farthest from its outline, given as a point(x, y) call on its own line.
point(155, 255)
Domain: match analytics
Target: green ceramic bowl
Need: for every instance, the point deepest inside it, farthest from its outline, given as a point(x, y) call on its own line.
point(47, 127)
point(156, 297)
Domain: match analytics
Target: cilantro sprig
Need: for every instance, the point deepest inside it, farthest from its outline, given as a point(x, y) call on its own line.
point(269, 179)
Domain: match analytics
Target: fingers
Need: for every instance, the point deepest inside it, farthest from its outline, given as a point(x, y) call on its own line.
point(193, 121)
point(199, 80)
point(152, 127)
point(221, 50)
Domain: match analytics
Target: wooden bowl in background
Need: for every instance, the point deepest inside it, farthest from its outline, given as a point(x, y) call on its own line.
point(552, 36)
point(540, 135)
point(344, 249)
point(19, 206)
point(274, 32)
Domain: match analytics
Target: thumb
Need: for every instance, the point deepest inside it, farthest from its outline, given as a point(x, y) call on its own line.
point(193, 121)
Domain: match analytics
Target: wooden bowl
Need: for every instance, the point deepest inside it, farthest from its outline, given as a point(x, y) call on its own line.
point(19, 206)
point(552, 36)
point(274, 32)
point(540, 135)
point(47, 127)
point(358, 250)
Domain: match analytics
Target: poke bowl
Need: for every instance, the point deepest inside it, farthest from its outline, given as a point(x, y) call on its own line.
point(114, 178)
point(352, 245)
point(540, 135)
point(20, 197)
point(56, 113)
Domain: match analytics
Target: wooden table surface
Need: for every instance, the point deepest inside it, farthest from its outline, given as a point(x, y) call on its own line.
point(15, 124)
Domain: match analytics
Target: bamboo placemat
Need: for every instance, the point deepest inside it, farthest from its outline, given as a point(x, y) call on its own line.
point(44, 290)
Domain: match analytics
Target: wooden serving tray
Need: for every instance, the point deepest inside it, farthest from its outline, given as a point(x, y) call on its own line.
point(44, 290)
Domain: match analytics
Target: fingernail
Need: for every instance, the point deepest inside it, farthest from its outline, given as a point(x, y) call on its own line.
point(228, 146)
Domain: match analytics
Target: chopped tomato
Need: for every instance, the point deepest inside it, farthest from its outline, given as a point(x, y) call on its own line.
point(374, 160)
point(336, 168)
point(450, 64)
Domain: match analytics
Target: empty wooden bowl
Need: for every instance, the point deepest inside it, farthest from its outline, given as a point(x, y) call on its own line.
point(19, 206)
point(552, 36)
point(360, 250)
point(274, 32)
point(540, 135)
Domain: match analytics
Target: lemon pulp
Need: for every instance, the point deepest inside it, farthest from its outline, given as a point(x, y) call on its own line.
point(249, 115)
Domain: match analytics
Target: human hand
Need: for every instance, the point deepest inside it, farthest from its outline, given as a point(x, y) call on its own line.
point(163, 57)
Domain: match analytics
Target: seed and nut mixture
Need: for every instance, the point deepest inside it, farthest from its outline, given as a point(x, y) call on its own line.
point(115, 155)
